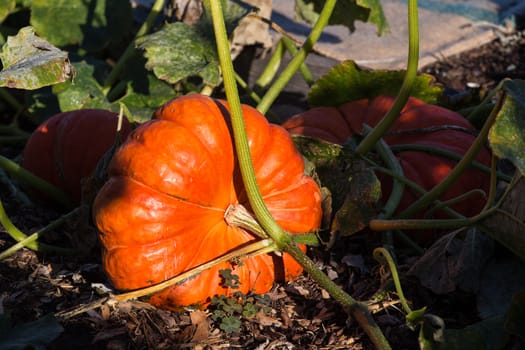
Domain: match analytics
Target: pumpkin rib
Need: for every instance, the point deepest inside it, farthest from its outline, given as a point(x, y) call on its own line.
point(128, 210)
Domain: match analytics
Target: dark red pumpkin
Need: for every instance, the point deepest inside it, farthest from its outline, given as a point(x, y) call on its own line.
point(419, 124)
point(66, 148)
point(162, 210)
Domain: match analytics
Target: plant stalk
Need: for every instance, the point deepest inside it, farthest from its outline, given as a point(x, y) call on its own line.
point(296, 62)
point(460, 167)
point(281, 239)
point(410, 76)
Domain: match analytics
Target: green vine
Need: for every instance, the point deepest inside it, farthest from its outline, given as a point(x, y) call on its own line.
point(281, 239)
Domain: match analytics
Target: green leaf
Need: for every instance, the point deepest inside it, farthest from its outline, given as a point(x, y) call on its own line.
point(91, 24)
point(144, 92)
point(347, 82)
point(230, 324)
point(34, 335)
point(346, 12)
point(31, 62)
point(507, 135)
point(354, 188)
point(179, 51)
point(6, 7)
point(84, 92)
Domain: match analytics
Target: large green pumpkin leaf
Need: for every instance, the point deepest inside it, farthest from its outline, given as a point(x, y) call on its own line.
point(91, 24)
point(507, 135)
point(346, 12)
point(83, 92)
point(179, 51)
point(347, 82)
point(30, 62)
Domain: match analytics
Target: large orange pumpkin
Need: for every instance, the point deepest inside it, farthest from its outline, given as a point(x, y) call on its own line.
point(162, 210)
point(419, 124)
point(66, 148)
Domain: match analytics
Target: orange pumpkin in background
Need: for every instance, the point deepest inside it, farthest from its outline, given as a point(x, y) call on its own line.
point(66, 148)
point(162, 210)
point(418, 124)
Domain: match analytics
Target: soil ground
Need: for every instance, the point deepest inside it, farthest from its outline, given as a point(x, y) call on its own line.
point(294, 316)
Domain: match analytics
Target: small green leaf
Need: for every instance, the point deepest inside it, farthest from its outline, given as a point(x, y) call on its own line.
point(30, 62)
point(230, 324)
point(83, 92)
point(507, 135)
point(34, 335)
point(347, 82)
point(179, 51)
point(91, 24)
point(346, 12)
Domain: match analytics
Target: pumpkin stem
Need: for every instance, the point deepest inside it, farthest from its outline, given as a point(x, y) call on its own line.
point(238, 216)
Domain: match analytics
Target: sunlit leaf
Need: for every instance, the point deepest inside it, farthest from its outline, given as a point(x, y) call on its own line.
point(507, 135)
point(30, 62)
point(179, 50)
point(346, 12)
point(347, 82)
point(83, 92)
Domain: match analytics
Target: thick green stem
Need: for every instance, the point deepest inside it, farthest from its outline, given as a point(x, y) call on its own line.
point(130, 50)
point(411, 73)
point(462, 165)
point(34, 181)
point(418, 224)
point(271, 68)
point(296, 62)
point(281, 239)
point(448, 154)
point(31, 242)
point(305, 71)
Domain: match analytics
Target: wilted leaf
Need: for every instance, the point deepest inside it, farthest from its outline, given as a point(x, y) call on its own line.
point(30, 62)
point(452, 263)
point(34, 335)
point(354, 187)
point(507, 135)
point(83, 92)
point(346, 12)
point(507, 226)
point(91, 24)
point(347, 82)
point(179, 50)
